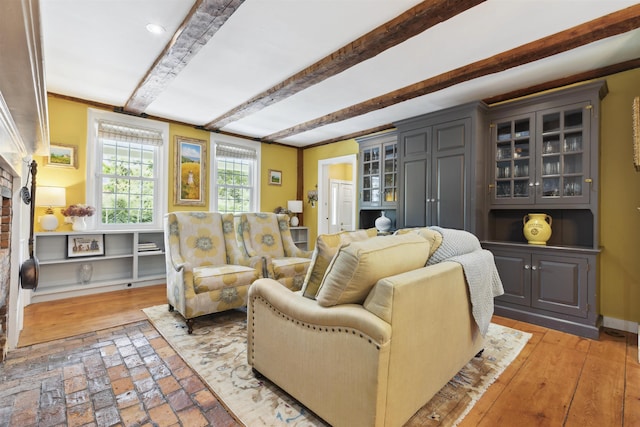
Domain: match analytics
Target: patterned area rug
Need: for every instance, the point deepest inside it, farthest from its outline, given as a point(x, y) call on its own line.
point(217, 352)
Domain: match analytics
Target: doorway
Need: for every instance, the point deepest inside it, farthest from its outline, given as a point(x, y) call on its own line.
point(340, 206)
point(326, 168)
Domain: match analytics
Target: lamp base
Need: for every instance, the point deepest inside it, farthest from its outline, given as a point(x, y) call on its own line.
point(294, 221)
point(49, 222)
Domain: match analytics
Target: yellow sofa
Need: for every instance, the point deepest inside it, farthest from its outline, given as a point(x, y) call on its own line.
point(382, 335)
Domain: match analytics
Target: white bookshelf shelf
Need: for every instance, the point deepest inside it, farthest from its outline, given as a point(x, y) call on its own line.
point(122, 265)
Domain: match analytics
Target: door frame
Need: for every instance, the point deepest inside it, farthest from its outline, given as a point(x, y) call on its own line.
point(323, 188)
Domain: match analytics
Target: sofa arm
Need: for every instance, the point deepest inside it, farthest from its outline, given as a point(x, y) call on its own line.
point(306, 310)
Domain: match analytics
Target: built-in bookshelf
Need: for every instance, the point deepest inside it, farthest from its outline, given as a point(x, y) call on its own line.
point(111, 260)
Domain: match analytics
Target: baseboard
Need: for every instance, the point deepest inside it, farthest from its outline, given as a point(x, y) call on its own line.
point(619, 324)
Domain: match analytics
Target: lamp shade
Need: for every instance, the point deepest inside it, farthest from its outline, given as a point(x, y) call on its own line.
point(51, 196)
point(294, 206)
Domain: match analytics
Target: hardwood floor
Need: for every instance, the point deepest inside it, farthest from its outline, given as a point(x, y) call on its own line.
point(64, 318)
point(557, 380)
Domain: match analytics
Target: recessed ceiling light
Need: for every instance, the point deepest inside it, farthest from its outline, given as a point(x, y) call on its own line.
point(155, 28)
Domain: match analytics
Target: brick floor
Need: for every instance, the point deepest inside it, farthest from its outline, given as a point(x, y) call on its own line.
point(124, 376)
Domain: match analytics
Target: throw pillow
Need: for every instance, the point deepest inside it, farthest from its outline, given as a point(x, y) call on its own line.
point(359, 265)
point(327, 246)
point(432, 236)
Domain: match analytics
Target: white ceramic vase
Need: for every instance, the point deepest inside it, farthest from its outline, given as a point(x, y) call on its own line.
point(79, 223)
point(383, 223)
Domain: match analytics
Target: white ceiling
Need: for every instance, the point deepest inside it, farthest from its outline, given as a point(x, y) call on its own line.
point(99, 50)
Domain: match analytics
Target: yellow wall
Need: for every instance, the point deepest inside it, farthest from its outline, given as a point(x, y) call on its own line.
point(619, 200)
point(311, 157)
point(284, 159)
point(342, 171)
point(67, 125)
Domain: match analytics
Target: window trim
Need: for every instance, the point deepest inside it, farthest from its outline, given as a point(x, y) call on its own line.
point(215, 139)
point(93, 188)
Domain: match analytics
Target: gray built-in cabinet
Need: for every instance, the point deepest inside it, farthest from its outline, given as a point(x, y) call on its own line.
point(378, 172)
point(482, 169)
point(441, 171)
point(544, 159)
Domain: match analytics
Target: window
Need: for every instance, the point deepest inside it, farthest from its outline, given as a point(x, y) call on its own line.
point(236, 172)
point(128, 176)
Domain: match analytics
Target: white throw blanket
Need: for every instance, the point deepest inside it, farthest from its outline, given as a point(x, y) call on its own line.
point(479, 269)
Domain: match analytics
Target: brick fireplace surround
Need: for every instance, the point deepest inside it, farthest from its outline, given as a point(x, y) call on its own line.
point(6, 184)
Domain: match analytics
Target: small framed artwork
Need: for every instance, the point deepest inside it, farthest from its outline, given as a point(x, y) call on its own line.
point(84, 245)
point(190, 173)
point(63, 156)
point(275, 177)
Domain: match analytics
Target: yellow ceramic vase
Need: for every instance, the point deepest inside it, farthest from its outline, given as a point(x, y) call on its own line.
point(537, 228)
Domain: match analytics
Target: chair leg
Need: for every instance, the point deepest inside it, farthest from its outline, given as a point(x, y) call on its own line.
point(171, 308)
point(190, 326)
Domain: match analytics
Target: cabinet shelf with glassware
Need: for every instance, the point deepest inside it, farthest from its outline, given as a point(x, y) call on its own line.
point(378, 170)
point(127, 258)
point(544, 159)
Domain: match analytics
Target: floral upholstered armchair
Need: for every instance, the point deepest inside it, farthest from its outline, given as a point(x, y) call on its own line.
point(267, 235)
point(207, 271)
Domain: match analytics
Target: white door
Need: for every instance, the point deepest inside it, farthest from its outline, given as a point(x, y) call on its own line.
point(340, 206)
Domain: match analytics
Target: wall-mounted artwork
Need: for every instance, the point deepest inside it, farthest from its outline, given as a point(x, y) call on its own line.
point(190, 174)
point(62, 155)
point(275, 177)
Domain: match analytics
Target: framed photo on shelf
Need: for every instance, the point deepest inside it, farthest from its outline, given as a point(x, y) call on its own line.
point(190, 172)
point(62, 156)
point(85, 245)
point(275, 177)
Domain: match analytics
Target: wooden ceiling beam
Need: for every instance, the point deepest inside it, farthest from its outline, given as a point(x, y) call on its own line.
point(203, 20)
point(565, 81)
point(410, 23)
point(610, 25)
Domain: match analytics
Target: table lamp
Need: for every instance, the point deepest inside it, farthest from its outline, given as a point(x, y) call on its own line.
point(295, 207)
point(50, 197)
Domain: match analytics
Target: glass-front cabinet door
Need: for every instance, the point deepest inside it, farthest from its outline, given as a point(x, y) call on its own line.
point(563, 174)
point(514, 153)
point(371, 176)
point(390, 173)
point(379, 172)
point(542, 157)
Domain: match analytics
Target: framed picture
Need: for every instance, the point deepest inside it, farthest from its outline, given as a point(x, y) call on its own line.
point(275, 177)
point(190, 173)
point(83, 245)
point(62, 155)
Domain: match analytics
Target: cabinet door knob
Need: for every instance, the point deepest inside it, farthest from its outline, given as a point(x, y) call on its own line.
point(527, 266)
point(533, 267)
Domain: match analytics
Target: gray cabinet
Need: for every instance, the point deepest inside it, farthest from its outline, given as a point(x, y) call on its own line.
point(544, 158)
point(378, 177)
point(441, 168)
point(553, 287)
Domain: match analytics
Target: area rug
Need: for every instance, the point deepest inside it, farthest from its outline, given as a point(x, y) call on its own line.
point(217, 352)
